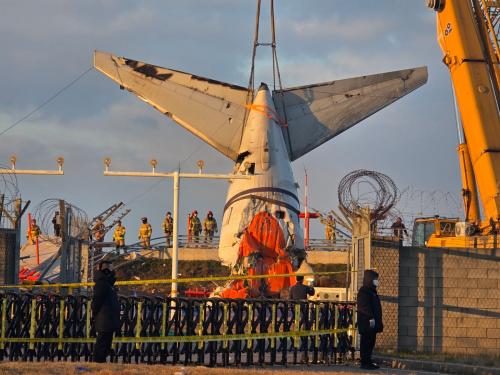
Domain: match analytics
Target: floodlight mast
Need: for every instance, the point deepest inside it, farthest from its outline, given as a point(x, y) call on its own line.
point(13, 170)
point(17, 220)
point(176, 175)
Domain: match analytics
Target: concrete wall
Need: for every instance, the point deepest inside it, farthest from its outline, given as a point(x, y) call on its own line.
point(447, 300)
point(313, 256)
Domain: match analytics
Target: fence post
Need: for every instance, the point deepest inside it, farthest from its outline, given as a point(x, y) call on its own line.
point(224, 326)
point(32, 322)
point(4, 321)
point(61, 324)
point(138, 324)
point(273, 325)
point(354, 332)
point(248, 329)
point(296, 326)
point(88, 309)
point(315, 330)
point(200, 325)
point(163, 323)
point(336, 326)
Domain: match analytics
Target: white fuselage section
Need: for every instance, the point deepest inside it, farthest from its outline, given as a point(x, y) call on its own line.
point(271, 188)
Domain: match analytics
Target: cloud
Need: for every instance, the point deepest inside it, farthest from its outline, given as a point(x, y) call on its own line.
point(131, 19)
point(47, 44)
point(336, 28)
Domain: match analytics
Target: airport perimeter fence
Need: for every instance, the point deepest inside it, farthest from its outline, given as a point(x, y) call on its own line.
point(213, 332)
point(385, 259)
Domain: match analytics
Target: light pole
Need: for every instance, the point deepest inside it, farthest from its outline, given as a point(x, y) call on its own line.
point(13, 170)
point(176, 175)
point(175, 245)
point(15, 218)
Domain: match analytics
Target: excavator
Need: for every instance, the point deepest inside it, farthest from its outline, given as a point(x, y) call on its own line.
point(468, 33)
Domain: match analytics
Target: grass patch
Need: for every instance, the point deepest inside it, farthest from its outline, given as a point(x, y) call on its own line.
point(152, 268)
point(65, 368)
point(467, 359)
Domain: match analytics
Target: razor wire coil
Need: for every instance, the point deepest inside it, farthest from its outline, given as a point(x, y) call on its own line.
point(9, 193)
point(363, 188)
point(44, 213)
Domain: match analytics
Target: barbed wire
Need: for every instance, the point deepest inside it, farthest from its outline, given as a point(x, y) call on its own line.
point(9, 191)
point(45, 211)
point(363, 188)
point(416, 203)
point(430, 202)
point(8, 185)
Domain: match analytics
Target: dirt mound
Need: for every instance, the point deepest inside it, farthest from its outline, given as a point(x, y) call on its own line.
point(153, 269)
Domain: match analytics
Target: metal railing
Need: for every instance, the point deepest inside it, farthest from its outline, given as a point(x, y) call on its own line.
point(185, 241)
point(179, 330)
point(319, 244)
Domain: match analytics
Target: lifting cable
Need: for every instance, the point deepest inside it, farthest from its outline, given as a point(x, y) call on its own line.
point(256, 43)
point(251, 81)
point(276, 70)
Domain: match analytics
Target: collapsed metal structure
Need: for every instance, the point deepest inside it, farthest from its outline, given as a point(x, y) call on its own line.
point(179, 330)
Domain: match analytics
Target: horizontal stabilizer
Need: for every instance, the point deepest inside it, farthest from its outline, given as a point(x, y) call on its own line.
point(212, 110)
point(316, 113)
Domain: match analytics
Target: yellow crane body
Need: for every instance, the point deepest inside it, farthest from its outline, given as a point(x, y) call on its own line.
point(467, 34)
point(469, 191)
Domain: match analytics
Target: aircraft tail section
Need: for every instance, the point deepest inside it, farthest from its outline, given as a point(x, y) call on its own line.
point(212, 110)
point(316, 113)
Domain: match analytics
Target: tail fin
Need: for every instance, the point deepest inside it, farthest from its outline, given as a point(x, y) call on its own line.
point(212, 110)
point(317, 113)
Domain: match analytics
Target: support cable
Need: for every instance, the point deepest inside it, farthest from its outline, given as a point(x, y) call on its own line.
point(273, 45)
point(47, 101)
point(251, 81)
point(281, 93)
point(275, 54)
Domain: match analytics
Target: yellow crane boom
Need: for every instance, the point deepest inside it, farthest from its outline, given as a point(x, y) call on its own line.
point(468, 39)
point(468, 32)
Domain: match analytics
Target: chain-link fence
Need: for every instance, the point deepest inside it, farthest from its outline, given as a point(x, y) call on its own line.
point(385, 261)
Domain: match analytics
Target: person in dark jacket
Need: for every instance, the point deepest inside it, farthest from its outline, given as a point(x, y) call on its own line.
point(300, 291)
point(56, 221)
point(369, 318)
point(105, 310)
point(399, 229)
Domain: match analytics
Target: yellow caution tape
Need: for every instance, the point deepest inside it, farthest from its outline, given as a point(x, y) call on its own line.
point(177, 339)
point(169, 281)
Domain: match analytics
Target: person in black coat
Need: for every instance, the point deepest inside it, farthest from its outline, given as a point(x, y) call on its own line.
point(300, 291)
point(369, 318)
point(105, 310)
point(56, 221)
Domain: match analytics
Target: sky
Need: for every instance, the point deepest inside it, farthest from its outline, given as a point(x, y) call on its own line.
point(46, 44)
